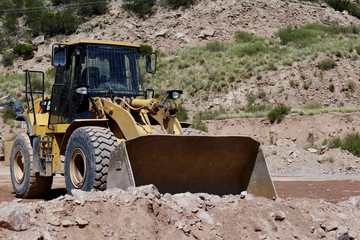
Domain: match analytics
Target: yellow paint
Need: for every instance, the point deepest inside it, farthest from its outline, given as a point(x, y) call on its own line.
point(123, 118)
point(104, 43)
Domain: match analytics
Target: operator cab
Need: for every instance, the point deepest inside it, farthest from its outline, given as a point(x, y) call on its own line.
point(87, 69)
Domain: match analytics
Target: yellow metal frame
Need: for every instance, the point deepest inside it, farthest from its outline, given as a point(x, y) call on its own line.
point(126, 121)
point(104, 43)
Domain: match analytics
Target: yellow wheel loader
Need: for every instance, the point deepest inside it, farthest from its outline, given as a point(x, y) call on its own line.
point(101, 129)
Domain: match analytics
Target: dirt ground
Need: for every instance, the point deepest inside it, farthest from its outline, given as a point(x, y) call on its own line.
point(317, 198)
point(309, 209)
point(330, 189)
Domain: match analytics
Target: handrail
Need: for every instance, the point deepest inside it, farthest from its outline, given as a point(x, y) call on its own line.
point(28, 81)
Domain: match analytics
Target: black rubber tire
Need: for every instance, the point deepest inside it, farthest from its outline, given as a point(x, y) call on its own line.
point(193, 131)
point(30, 185)
point(96, 144)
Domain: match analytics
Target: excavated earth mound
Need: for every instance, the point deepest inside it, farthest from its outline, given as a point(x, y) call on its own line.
point(143, 213)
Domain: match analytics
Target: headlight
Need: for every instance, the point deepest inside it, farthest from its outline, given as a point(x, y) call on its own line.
point(82, 90)
point(176, 95)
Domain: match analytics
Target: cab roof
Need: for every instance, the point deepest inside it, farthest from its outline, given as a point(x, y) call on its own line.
point(104, 43)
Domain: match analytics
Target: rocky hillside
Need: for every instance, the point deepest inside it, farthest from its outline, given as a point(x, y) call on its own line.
point(172, 30)
point(204, 22)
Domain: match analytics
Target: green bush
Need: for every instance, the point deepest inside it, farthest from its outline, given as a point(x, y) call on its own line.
point(178, 3)
point(244, 37)
point(206, 115)
point(182, 114)
point(351, 143)
point(11, 25)
point(257, 108)
point(24, 50)
point(278, 113)
point(251, 49)
point(313, 105)
point(332, 87)
point(341, 5)
point(215, 46)
point(326, 64)
point(8, 115)
point(351, 86)
point(354, 9)
point(8, 58)
point(92, 7)
point(63, 22)
point(146, 48)
point(141, 8)
point(338, 5)
point(4, 41)
point(308, 34)
point(307, 85)
point(357, 49)
point(335, 143)
point(32, 17)
point(59, 2)
point(251, 98)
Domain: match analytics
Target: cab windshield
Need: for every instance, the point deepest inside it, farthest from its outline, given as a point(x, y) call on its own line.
point(112, 69)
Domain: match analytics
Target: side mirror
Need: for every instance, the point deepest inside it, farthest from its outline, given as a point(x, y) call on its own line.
point(59, 55)
point(151, 60)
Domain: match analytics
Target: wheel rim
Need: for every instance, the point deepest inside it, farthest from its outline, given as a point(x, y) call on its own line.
point(78, 168)
point(19, 167)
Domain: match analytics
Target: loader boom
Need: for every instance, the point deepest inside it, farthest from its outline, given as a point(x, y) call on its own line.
point(14, 103)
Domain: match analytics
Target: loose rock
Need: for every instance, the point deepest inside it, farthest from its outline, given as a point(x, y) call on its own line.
point(13, 217)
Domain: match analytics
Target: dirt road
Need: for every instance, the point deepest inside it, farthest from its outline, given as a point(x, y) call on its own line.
point(330, 189)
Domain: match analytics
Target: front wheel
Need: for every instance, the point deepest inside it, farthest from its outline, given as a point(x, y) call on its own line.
point(87, 158)
point(24, 183)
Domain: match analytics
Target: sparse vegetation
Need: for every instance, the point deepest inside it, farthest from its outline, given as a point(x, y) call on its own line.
point(244, 37)
point(326, 64)
point(182, 114)
point(294, 84)
point(8, 115)
point(215, 46)
point(332, 87)
point(8, 57)
point(222, 67)
point(351, 143)
point(63, 22)
point(205, 115)
point(178, 3)
point(145, 8)
point(341, 5)
point(92, 7)
point(313, 105)
point(24, 50)
point(141, 8)
point(338, 5)
point(351, 86)
point(278, 113)
point(309, 34)
point(307, 84)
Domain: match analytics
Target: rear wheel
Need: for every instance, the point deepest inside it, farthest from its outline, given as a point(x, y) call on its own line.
point(87, 158)
point(24, 184)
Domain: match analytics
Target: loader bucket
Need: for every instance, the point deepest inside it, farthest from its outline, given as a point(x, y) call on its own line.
point(175, 163)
